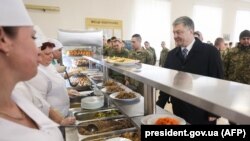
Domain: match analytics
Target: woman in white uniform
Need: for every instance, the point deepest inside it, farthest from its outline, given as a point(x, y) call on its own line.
point(35, 96)
point(56, 93)
point(19, 118)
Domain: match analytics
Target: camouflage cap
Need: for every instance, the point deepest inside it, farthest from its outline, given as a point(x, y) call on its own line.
point(245, 33)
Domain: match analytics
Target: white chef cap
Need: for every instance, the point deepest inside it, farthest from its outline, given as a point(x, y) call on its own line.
point(57, 43)
point(40, 37)
point(13, 13)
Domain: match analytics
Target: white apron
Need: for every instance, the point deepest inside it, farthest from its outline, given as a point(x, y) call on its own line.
point(58, 96)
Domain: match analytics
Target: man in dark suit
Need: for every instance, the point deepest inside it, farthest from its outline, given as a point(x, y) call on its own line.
point(193, 56)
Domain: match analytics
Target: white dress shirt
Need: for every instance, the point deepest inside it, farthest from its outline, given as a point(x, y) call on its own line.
point(189, 47)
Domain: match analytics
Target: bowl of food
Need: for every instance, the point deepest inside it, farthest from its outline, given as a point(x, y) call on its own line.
point(125, 96)
point(165, 119)
point(93, 102)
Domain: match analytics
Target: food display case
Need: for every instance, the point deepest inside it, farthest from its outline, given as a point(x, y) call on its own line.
point(79, 43)
point(76, 45)
point(224, 98)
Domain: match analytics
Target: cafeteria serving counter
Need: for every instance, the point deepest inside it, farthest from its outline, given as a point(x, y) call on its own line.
point(224, 98)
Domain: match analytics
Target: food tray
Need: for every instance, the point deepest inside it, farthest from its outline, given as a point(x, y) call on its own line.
point(133, 135)
point(106, 125)
point(101, 114)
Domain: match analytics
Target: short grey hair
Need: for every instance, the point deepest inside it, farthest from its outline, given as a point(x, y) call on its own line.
point(186, 21)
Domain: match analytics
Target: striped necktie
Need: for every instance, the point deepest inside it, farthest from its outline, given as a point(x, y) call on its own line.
point(184, 53)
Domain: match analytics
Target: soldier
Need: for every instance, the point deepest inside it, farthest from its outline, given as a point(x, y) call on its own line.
point(106, 48)
point(220, 45)
point(138, 53)
point(141, 54)
point(151, 50)
point(237, 60)
point(111, 47)
point(198, 35)
point(118, 51)
point(164, 54)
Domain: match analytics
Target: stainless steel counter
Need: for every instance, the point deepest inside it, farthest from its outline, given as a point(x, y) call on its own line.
point(134, 108)
point(225, 98)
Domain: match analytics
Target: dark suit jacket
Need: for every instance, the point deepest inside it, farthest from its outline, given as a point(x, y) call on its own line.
point(202, 59)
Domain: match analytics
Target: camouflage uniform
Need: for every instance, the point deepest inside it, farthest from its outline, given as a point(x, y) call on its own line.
point(223, 53)
point(163, 57)
point(106, 50)
point(145, 57)
point(116, 75)
point(237, 64)
point(124, 53)
point(152, 51)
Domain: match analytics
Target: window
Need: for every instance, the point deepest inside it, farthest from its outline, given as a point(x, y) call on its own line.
point(152, 22)
point(208, 21)
point(242, 23)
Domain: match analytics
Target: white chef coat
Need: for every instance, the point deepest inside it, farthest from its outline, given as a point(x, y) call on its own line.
point(51, 86)
point(41, 82)
point(11, 131)
point(58, 96)
point(32, 95)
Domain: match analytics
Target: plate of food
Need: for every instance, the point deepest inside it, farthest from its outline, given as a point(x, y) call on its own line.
point(118, 139)
point(121, 61)
point(164, 119)
point(125, 96)
point(110, 83)
point(97, 77)
point(112, 89)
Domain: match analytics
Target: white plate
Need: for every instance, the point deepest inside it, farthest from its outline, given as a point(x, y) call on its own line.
point(118, 139)
point(113, 96)
point(85, 93)
point(93, 102)
point(104, 90)
point(153, 118)
point(97, 77)
point(133, 62)
point(144, 120)
point(128, 63)
point(99, 84)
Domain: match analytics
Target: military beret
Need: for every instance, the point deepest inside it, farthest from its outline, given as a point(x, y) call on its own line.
point(245, 33)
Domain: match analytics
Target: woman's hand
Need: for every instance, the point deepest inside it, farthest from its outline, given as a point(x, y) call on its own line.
point(72, 93)
point(68, 121)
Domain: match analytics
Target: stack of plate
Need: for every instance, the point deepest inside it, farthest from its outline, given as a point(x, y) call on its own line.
point(93, 102)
